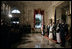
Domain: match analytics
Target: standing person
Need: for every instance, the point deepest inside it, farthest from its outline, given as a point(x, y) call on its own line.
point(50, 30)
point(58, 31)
point(54, 31)
point(63, 32)
point(48, 27)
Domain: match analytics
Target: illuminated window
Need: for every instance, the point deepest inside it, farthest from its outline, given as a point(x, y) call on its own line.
point(15, 11)
point(38, 19)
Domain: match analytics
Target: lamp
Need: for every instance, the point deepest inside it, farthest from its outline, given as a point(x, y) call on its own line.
point(10, 15)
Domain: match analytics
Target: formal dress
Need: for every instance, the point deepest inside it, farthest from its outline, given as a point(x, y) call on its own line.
point(50, 32)
point(58, 33)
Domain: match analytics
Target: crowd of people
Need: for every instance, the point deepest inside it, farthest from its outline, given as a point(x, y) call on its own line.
point(57, 31)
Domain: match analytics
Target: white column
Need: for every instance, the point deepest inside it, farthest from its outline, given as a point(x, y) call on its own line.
point(9, 9)
point(70, 7)
point(3, 8)
point(6, 10)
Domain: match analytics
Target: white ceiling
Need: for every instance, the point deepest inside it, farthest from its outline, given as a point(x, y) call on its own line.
point(36, 2)
point(31, 3)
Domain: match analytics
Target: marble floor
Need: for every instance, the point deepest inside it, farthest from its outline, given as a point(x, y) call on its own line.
point(36, 41)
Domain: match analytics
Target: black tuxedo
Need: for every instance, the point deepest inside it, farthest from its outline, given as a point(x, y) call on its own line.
point(63, 33)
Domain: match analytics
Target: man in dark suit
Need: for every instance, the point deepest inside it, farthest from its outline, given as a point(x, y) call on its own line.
point(48, 30)
point(54, 31)
point(63, 32)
